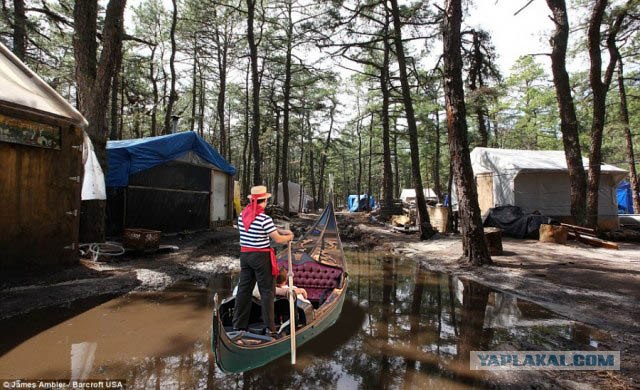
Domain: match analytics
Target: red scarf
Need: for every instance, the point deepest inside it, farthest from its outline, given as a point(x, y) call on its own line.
point(250, 212)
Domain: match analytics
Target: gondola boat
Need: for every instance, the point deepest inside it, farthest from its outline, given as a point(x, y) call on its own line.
point(319, 267)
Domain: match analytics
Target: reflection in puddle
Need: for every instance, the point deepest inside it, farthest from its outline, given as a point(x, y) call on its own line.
point(401, 326)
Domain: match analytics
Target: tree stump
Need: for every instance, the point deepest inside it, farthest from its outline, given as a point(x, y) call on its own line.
point(493, 238)
point(553, 233)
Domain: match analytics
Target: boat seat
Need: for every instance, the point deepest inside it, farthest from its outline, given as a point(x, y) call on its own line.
point(318, 279)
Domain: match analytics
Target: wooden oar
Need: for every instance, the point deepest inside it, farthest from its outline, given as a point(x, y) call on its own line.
point(292, 304)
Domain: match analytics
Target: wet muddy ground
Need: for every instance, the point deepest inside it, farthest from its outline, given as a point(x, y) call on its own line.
point(412, 314)
point(402, 326)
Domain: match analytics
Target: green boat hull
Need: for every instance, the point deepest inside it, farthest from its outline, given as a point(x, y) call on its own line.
point(233, 358)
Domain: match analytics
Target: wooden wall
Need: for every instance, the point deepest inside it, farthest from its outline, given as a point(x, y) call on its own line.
point(35, 196)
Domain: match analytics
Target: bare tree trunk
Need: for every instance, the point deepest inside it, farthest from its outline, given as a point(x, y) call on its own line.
point(426, 231)
point(201, 110)
point(624, 117)
point(568, 119)
point(276, 174)
point(245, 162)
point(474, 246)
point(173, 96)
point(436, 159)
point(325, 153)
point(285, 113)
point(222, 74)
point(115, 84)
point(194, 82)
point(156, 100)
point(369, 188)
point(387, 173)
point(19, 30)
point(94, 77)
point(359, 180)
point(255, 82)
point(599, 88)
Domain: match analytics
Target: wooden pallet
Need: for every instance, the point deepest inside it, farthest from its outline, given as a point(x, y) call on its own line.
point(588, 236)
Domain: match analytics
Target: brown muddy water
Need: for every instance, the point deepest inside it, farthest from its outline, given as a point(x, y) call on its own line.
point(401, 327)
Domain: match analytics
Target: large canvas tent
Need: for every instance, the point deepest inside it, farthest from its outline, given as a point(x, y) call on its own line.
point(172, 183)
point(538, 181)
point(41, 152)
point(298, 198)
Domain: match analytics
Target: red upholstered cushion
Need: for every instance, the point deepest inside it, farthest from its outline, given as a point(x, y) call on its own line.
point(315, 278)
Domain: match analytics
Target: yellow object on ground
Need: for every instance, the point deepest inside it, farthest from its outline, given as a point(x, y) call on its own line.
point(236, 197)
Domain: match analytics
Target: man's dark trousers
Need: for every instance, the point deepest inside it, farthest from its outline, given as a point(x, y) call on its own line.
point(254, 267)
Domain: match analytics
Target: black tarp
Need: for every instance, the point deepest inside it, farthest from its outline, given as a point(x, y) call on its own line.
point(171, 197)
point(515, 223)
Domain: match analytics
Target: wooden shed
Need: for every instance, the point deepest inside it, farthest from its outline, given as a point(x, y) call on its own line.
point(41, 140)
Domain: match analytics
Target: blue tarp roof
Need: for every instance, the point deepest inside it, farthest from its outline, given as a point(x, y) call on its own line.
point(135, 155)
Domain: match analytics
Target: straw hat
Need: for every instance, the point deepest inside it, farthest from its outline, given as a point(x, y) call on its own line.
point(260, 192)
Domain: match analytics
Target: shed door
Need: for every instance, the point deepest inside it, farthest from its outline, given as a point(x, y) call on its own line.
point(219, 191)
point(485, 191)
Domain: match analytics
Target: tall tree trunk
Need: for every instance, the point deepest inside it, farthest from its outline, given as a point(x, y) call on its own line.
point(93, 77)
point(476, 81)
point(19, 30)
point(324, 154)
point(173, 96)
point(624, 117)
point(255, 82)
point(245, 160)
point(156, 100)
point(222, 52)
point(599, 88)
point(474, 245)
point(568, 119)
point(396, 169)
point(387, 173)
point(285, 113)
point(194, 82)
point(436, 159)
point(276, 174)
point(114, 97)
point(359, 179)
point(201, 105)
point(369, 188)
point(312, 173)
point(426, 231)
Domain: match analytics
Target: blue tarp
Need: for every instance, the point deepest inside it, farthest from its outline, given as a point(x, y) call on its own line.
point(625, 199)
point(358, 203)
point(135, 155)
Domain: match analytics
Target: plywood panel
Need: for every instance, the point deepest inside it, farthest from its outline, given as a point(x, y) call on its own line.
point(485, 191)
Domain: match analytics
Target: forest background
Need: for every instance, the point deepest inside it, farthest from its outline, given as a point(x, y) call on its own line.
point(300, 90)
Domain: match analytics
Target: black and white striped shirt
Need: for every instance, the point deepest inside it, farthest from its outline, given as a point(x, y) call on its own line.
point(258, 234)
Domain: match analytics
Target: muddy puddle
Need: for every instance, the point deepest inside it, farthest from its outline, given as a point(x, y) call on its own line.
point(401, 327)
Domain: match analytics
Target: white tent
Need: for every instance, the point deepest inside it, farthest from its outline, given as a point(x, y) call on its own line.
point(23, 87)
point(408, 195)
point(297, 197)
point(536, 181)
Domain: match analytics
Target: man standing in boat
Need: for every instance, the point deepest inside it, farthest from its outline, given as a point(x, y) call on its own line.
point(257, 260)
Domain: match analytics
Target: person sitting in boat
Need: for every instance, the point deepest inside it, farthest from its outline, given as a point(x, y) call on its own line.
point(282, 288)
point(257, 260)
